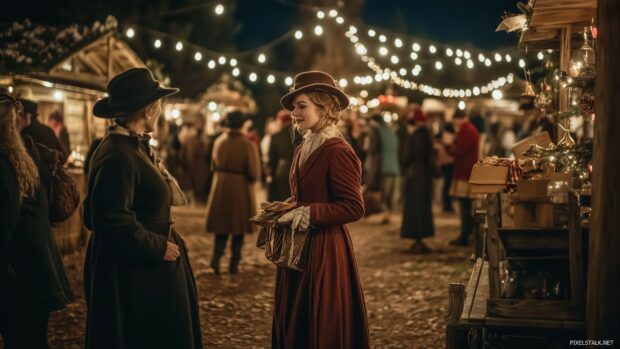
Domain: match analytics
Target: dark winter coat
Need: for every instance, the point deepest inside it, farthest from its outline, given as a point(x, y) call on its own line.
point(32, 276)
point(372, 162)
point(417, 210)
point(281, 152)
point(135, 299)
point(323, 307)
point(45, 135)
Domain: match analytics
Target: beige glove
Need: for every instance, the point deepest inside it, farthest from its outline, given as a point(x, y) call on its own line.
point(299, 218)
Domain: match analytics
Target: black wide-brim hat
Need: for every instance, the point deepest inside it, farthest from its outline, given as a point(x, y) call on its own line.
point(129, 92)
point(314, 81)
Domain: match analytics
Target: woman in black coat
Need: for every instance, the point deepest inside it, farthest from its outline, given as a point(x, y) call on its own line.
point(32, 278)
point(417, 210)
point(139, 285)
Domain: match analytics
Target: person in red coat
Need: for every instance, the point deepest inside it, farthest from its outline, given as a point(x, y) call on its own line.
point(464, 149)
point(323, 306)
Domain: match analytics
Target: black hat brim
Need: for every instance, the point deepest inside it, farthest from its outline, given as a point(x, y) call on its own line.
point(107, 109)
point(343, 99)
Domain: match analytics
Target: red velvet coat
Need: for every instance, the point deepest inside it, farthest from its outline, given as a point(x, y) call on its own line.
point(465, 151)
point(323, 307)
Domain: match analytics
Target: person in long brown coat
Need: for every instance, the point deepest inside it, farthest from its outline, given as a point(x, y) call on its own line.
point(323, 306)
point(236, 167)
point(193, 159)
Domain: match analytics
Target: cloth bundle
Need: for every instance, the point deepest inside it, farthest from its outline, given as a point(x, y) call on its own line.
point(285, 245)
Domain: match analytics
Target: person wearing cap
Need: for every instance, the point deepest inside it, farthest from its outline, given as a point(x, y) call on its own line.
point(39, 132)
point(323, 306)
point(33, 282)
point(236, 167)
point(281, 152)
point(416, 162)
point(139, 286)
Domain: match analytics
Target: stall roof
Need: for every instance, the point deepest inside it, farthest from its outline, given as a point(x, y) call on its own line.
point(550, 16)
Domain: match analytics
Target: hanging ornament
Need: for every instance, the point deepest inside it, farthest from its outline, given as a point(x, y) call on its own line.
point(594, 30)
point(574, 68)
point(567, 141)
point(529, 90)
point(586, 104)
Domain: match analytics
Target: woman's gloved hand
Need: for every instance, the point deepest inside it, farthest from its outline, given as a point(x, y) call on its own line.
point(299, 218)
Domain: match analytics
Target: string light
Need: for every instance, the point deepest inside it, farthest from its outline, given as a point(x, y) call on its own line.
point(261, 58)
point(288, 81)
point(157, 43)
point(416, 47)
point(299, 35)
point(333, 13)
point(271, 79)
point(320, 14)
point(130, 33)
point(253, 77)
point(497, 94)
point(371, 33)
point(339, 20)
point(438, 65)
point(318, 30)
point(461, 105)
point(432, 49)
point(394, 59)
point(343, 82)
point(413, 56)
point(219, 9)
point(221, 60)
point(458, 61)
point(540, 55)
point(179, 46)
point(197, 56)
point(233, 62)
point(449, 52)
point(211, 64)
point(398, 43)
point(470, 64)
point(498, 57)
point(236, 72)
point(383, 50)
point(382, 38)
point(521, 63)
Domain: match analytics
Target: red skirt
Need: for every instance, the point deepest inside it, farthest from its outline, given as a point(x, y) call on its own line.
point(322, 307)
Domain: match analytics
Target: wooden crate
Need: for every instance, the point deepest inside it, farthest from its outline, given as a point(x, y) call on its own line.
point(535, 244)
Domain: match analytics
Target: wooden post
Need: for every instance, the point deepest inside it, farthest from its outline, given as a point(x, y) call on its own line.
point(109, 58)
point(603, 302)
point(565, 49)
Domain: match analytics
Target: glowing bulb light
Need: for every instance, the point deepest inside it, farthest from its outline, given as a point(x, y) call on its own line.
point(318, 30)
point(130, 33)
point(179, 46)
point(157, 43)
point(261, 58)
point(299, 35)
point(219, 9)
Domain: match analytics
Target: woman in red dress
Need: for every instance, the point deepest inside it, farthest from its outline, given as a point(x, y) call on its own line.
point(323, 306)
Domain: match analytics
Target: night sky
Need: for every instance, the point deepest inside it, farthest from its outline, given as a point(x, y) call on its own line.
point(448, 21)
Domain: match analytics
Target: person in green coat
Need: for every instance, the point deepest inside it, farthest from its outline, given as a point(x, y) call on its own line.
point(139, 285)
point(32, 277)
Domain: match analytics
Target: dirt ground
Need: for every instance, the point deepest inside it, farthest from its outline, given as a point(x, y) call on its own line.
point(406, 294)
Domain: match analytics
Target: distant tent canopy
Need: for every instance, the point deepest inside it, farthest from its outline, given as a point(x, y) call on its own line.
point(85, 56)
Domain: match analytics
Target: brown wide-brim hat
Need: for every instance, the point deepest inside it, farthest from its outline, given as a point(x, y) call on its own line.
point(314, 81)
point(129, 92)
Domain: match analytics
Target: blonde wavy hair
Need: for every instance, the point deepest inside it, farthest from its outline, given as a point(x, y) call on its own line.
point(13, 148)
point(328, 107)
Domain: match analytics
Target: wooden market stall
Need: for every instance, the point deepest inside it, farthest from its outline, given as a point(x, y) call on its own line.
point(549, 265)
point(69, 80)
